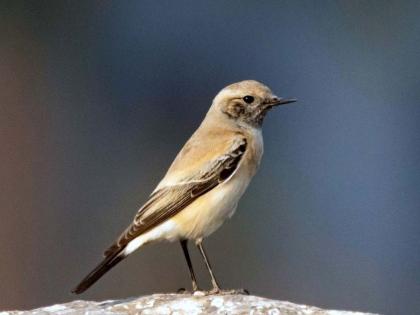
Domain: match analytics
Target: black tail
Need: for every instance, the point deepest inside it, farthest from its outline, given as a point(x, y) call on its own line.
point(108, 262)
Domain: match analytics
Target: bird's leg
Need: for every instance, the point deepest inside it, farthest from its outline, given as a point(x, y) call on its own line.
point(216, 288)
point(184, 245)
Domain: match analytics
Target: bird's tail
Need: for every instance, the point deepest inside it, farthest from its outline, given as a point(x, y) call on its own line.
point(109, 261)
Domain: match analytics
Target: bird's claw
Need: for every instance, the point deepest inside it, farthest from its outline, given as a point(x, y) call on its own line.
point(193, 292)
point(218, 291)
point(182, 291)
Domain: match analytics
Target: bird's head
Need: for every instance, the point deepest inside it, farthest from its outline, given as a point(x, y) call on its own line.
point(247, 102)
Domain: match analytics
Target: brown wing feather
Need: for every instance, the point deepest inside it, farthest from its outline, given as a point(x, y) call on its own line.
point(168, 201)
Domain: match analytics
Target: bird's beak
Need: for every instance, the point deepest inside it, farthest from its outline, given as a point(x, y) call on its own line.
point(277, 101)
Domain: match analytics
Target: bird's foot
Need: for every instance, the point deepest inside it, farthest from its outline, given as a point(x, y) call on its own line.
point(183, 291)
point(214, 291)
point(193, 292)
point(218, 291)
point(241, 291)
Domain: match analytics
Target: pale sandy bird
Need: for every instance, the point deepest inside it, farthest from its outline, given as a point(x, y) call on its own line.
point(203, 185)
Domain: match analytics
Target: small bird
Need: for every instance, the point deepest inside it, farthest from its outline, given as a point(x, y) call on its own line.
point(203, 185)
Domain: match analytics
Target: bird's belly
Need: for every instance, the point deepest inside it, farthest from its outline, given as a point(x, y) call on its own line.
point(207, 213)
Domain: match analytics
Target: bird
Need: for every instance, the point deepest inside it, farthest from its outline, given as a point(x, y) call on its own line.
point(203, 185)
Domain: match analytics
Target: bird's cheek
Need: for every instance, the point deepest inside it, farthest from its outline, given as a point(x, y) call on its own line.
point(235, 110)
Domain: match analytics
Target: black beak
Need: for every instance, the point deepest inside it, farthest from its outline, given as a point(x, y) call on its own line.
point(280, 101)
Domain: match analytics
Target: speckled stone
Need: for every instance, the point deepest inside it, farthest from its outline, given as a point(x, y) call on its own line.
point(180, 304)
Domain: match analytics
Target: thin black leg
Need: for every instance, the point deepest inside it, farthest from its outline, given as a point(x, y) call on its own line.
point(184, 245)
point(216, 287)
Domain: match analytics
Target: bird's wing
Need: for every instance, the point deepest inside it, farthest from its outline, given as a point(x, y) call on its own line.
point(166, 201)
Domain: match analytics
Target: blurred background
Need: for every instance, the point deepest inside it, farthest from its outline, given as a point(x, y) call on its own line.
point(97, 97)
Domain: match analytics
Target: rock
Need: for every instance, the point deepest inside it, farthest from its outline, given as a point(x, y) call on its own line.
point(179, 304)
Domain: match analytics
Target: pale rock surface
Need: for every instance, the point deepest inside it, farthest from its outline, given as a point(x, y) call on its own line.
point(180, 304)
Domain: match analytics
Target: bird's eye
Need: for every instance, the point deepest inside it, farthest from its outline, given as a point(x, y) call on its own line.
point(248, 99)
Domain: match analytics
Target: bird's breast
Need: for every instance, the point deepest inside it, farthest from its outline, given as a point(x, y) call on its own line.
point(255, 150)
point(208, 212)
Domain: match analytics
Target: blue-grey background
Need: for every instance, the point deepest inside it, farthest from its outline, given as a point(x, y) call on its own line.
point(97, 97)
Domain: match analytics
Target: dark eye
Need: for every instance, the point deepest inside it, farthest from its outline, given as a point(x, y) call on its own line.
point(248, 99)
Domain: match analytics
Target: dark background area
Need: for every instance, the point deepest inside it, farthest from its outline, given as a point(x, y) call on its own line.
point(97, 97)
